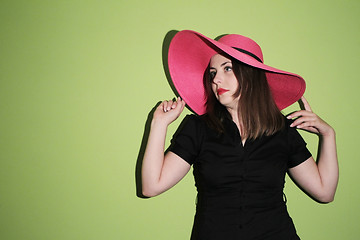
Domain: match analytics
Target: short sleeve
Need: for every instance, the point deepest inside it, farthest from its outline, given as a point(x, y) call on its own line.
point(186, 141)
point(297, 147)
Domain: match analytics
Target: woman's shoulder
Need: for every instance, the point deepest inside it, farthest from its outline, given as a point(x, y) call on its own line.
point(286, 131)
point(288, 122)
point(195, 118)
point(291, 132)
point(192, 123)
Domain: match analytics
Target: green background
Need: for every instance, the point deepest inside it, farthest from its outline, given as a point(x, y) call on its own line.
point(78, 79)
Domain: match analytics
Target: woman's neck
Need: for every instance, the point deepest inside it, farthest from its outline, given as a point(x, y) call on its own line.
point(236, 119)
point(234, 115)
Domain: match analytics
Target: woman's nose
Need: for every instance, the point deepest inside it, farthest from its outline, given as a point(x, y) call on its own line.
point(217, 79)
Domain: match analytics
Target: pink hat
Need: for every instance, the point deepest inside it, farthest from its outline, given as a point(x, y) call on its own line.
point(189, 56)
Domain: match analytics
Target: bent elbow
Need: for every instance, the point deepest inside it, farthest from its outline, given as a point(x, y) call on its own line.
point(326, 198)
point(149, 193)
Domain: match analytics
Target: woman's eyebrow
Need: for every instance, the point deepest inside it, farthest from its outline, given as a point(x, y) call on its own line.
point(221, 64)
point(225, 63)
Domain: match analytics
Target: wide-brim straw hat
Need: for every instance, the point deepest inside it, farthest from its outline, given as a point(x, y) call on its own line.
point(189, 55)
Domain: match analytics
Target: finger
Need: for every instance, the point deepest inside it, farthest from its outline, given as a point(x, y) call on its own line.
point(168, 106)
point(179, 106)
point(180, 101)
point(308, 128)
point(183, 103)
point(174, 104)
point(164, 105)
point(306, 104)
point(300, 114)
point(309, 120)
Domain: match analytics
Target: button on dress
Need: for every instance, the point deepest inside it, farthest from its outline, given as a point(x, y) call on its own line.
point(240, 187)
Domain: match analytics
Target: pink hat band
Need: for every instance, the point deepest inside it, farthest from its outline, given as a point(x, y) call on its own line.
point(189, 55)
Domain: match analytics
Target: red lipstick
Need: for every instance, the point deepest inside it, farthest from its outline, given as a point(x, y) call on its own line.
point(221, 91)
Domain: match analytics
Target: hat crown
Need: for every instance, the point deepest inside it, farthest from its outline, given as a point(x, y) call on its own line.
point(242, 42)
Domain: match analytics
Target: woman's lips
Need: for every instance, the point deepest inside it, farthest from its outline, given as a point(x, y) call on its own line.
point(221, 91)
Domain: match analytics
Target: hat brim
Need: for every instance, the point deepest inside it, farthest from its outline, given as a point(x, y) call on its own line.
point(189, 55)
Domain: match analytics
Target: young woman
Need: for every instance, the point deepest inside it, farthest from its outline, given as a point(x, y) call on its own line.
point(238, 142)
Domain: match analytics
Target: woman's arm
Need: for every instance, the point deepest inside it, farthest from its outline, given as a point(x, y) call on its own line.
point(159, 172)
point(318, 179)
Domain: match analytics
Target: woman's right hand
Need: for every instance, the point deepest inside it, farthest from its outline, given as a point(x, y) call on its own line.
point(169, 111)
point(160, 172)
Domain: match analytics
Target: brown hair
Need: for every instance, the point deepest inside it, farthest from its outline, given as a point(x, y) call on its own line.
point(257, 109)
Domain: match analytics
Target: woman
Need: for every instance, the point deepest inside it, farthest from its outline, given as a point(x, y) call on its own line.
point(239, 143)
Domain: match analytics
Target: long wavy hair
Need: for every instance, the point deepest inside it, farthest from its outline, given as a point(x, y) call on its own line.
point(257, 109)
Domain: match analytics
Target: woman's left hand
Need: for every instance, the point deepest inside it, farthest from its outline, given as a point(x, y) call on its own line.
point(309, 121)
point(320, 178)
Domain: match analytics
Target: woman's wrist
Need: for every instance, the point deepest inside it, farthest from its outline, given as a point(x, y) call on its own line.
point(156, 122)
point(328, 133)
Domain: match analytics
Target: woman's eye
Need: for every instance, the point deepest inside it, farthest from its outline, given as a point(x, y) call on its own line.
point(212, 74)
point(228, 68)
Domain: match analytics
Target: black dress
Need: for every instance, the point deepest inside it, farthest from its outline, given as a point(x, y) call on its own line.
point(240, 188)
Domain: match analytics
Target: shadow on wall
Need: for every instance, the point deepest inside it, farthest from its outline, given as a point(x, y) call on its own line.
point(165, 49)
point(141, 153)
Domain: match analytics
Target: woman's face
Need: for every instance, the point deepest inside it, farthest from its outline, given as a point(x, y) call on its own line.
point(224, 83)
